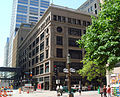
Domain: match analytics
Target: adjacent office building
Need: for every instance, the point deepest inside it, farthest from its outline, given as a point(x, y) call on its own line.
point(48, 43)
point(24, 11)
point(6, 53)
point(91, 6)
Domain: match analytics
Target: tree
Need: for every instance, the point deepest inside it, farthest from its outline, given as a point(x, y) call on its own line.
point(102, 40)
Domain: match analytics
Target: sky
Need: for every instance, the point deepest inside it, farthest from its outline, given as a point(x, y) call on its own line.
point(5, 19)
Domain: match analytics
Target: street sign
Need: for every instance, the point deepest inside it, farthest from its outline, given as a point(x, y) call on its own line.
point(66, 70)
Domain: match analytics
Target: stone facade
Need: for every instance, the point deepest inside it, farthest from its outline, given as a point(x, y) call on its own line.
point(48, 44)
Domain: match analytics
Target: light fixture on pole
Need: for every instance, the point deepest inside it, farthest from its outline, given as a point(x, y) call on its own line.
point(69, 76)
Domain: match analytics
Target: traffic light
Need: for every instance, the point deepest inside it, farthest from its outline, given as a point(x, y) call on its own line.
point(55, 71)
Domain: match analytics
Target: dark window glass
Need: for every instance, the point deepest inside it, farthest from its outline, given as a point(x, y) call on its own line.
point(95, 5)
point(41, 69)
point(84, 31)
point(59, 53)
point(88, 23)
point(72, 42)
point(55, 17)
point(37, 40)
point(42, 46)
point(95, 11)
point(41, 57)
point(29, 47)
point(91, 8)
point(33, 52)
point(37, 70)
point(76, 66)
point(69, 20)
point(47, 41)
point(59, 18)
point(33, 61)
point(33, 71)
point(59, 40)
point(74, 31)
point(47, 67)
point(33, 43)
point(63, 19)
point(42, 36)
point(79, 22)
point(84, 23)
point(29, 63)
point(36, 59)
point(46, 53)
point(74, 21)
point(37, 49)
point(75, 54)
point(30, 55)
point(47, 30)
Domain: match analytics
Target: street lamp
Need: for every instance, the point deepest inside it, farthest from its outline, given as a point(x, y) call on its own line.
point(69, 76)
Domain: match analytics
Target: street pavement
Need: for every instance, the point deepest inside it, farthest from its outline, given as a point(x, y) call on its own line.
point(44, 93)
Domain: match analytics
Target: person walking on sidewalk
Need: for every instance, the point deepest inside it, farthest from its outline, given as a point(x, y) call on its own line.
point(109, 91)
point(101, 91)
point(104, 91)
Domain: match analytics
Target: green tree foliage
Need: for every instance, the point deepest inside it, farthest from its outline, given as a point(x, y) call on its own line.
point(102, 40)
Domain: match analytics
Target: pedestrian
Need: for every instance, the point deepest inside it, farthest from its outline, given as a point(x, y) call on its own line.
point(79, 91)
point(104, 90)
point(101, 91)
point(61, 90)
point(109, 91)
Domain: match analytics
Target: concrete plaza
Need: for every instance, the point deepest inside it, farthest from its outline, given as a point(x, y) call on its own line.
point(54, 94)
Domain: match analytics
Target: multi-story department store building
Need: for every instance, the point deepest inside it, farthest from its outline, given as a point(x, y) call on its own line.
point(49, 42)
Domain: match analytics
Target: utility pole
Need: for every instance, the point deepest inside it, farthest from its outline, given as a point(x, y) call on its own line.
point(69, 76)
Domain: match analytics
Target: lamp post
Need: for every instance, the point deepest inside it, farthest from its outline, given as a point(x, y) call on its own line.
point(69, 75)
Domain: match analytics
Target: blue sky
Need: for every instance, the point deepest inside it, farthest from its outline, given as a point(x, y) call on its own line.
point(5, 19)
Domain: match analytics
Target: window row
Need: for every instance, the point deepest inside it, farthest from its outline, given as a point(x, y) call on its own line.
point(70, 20)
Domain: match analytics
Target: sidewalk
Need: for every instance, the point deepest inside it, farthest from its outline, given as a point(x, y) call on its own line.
point(45, 93)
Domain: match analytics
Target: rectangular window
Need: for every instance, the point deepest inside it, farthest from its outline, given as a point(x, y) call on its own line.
point(75, 54)
point(74, 31)
point(37, 40)
point(33, 44)
point(33, 52)
point(74, 21)
point(37, 70)
point(95, 11)
point(42, 46)
point(63, 19)
point(79, 22)
point(69, 20)
point(72, 42)
point(84, 23)
point(88, 23)
point(37, 49)
point(41, 69)
point(59, 40)
point(42, 36)
point(95, 5)
point(55, 17)
point(47, 41)
point(91, 8)
point(41, 57)
point(36, 59)
point(33, 61)
point(59, 52)
point(59, 18)
point(46, 53)
point(30, 55)
point(47, 67)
